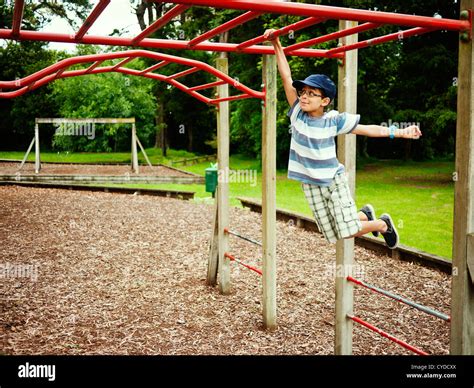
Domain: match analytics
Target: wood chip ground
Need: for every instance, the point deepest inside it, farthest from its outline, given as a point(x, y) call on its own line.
point(9, 168)
point(125, 274)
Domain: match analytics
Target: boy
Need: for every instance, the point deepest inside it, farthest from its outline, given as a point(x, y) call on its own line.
point(313, 158)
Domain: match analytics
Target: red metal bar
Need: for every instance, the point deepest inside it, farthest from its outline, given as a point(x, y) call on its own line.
point(172, 82)
point(154, 67)
point(183, 73)
point(388, 336)
point(380, 39)
point(93, 66)
point(17, 17)
point(49, 74)
point(231, 98)
point(172, 13)
point(207, 86)
point(332, 36)
point(228, 255)
point(58, 74)
point(121, 63)
point(124, 70)
point(331, 12)
point(400, 299)
point(226, 230)
point(96, 12)
point(225, 27)
point(282, 31)
point(156, 43)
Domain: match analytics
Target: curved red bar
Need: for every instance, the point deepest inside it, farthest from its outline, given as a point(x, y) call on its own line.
point(58, 70)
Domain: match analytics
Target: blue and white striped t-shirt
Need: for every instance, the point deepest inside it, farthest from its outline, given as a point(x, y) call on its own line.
point(313, 156)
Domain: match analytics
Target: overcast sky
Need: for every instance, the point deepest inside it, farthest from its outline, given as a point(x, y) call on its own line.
point(118, 14)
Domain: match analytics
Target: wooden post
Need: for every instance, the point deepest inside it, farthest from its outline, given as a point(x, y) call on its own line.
point(212, 264)
point(143, 152)
point(347, 102)
point(223, 192)
point(269, 115)
point(462, 300)
point(27, 153)
point(470, 255)
point(134, 150)
point(37, 150)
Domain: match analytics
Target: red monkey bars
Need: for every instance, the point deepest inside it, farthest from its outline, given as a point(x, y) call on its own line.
point(252, 9)
point(59, 70)
point(312, 14)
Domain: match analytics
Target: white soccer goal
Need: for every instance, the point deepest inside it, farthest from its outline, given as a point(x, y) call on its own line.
point(80, 122)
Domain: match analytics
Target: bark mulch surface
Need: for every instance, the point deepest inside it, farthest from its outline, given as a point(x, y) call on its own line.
point(102, 273)
point(9, 168)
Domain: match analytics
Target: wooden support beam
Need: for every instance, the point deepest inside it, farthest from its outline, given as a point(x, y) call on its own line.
point(27, 153)
point(134, 150)
point(223, 184)
point(470, 256)
point(212, 264)
point(37, 150)
point(143, 152)
point(462, 300)
point(269, 191)
point(347, 102)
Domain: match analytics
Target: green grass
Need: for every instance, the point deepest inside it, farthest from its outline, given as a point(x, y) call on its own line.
point(100, 157)
point(419, 196)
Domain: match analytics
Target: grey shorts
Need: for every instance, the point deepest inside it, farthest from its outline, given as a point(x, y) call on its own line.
point(333, 208)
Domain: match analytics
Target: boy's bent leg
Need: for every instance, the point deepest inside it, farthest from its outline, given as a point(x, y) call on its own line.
point(371, 226)
point(369, 214)
point(384, 225)
point(318, 202)
point(343, 208)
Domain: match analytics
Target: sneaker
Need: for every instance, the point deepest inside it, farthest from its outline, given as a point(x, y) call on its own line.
point(391, 235)
point(369, 211)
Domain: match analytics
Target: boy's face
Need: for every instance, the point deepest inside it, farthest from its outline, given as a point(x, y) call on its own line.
point(312, 101)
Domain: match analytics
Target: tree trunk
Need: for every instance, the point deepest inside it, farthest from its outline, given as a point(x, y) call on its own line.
point(223, 38)
point(362, 147)
point(164, 140)
point(407, 150)
point(160, 137)
point(150, 13)
point(140, 12)
point(189, 131)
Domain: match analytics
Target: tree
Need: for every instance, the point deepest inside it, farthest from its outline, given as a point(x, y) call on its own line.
point(106, 95)
point(174, 126)
point(18, 60)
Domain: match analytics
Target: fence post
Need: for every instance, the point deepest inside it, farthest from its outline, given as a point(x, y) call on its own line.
point(269, 191)
point(462, 294)
point(347, 102)
point(223, 184)
point(134, 150)
point(37, 150)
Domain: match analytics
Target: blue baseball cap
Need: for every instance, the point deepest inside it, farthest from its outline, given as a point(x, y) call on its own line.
point(319, 81)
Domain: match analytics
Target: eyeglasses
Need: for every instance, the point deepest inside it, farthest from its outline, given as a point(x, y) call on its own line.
point(310, 93)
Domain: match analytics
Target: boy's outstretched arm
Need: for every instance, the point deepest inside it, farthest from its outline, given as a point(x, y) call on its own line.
point(283, 67)
point(411, 132)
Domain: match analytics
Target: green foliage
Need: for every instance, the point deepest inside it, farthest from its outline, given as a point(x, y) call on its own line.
point(37, 14)
point(18, 60)
point(106, 95)
point(411, 80)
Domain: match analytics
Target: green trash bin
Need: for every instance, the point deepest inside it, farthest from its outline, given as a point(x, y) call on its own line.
point(211, 179)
